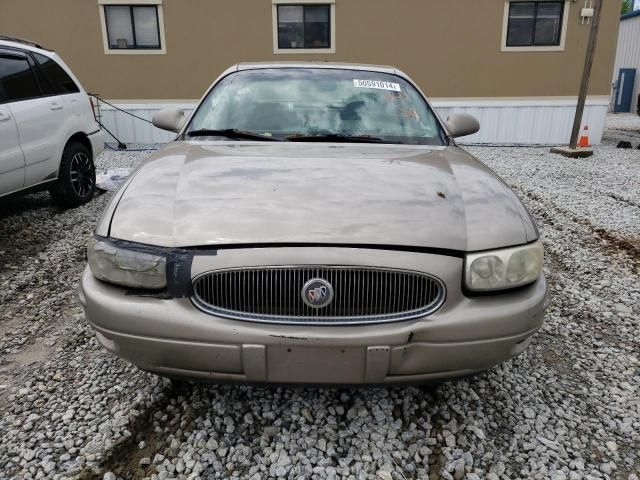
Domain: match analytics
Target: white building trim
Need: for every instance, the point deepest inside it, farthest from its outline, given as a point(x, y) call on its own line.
point(527, 121)
point(510, 121)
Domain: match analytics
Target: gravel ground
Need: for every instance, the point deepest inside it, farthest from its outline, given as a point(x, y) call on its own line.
point(568, 408)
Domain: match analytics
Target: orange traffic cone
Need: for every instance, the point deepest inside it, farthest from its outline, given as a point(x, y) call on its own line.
point(584, 138)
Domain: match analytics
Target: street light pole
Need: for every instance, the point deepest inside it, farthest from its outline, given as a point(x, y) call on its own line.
point(586, 73)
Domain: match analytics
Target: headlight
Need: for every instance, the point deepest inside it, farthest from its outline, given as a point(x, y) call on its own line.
point(503, 269)
point(125, 267)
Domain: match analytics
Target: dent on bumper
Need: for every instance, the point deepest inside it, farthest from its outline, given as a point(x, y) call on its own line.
point(173, 338)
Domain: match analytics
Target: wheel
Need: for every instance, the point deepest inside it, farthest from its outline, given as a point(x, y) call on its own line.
point(76, 178)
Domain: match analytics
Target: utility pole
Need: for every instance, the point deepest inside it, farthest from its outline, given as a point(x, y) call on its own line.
point(586, 73)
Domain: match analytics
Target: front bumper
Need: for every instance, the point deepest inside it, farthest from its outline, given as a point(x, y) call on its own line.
point(173, 338)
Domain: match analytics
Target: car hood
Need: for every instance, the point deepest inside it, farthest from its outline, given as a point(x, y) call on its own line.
point(229, 193)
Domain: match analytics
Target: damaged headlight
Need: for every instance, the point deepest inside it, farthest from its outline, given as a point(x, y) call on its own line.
point(126, 267)
point(504, 268)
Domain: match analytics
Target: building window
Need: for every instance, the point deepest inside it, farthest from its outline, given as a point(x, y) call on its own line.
point(539, 25)
point(303, 26)
point(132, 27)
point(534, 24)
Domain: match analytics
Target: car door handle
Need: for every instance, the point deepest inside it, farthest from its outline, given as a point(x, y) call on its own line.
point(4, 117)
point(55, 106)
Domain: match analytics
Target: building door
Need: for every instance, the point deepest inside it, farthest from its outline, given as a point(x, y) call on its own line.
point(624, 90)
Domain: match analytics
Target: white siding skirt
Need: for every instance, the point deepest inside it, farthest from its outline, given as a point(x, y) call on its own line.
point(511, 122)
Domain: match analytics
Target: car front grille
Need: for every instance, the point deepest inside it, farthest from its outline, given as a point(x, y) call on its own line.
point(360, 294)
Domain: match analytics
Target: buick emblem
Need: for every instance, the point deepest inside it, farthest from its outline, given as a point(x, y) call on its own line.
point(317, 293)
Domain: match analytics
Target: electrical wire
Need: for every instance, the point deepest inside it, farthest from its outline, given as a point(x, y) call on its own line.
point(121, 144)
point(100, 99)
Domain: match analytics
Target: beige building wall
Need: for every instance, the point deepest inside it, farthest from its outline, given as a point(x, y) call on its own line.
point(452, 48)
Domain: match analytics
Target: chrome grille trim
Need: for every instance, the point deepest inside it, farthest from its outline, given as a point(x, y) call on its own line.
point(363, 295)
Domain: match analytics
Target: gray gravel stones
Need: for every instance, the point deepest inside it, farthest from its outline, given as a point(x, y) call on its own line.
point(567, 408)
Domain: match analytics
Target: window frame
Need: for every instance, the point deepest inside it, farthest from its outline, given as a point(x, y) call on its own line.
point(442, 131)
point(41, 78)
point(133, 28)
point(564, 21)
point(305, 50)
point(38, 69)
point(21, 54)
point(136, 50)
point(304, 25)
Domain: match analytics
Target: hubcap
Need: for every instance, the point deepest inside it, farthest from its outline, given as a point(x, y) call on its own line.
point(81, 175)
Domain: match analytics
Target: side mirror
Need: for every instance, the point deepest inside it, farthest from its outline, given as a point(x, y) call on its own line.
point(169, 119)
point(462, 124)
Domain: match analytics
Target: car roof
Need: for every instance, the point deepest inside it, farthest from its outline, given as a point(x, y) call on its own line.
point(319, 64)
point(23, 44)
point(336, 65)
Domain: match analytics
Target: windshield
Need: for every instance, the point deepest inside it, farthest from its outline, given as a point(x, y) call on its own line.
point(295, 103)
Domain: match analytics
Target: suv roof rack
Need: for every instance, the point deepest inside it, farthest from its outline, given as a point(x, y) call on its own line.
point(21, 40)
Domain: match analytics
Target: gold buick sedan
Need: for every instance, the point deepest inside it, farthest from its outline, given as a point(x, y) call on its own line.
point(314, 223)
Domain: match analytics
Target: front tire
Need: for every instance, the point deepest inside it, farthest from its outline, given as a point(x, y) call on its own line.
point(76, 178)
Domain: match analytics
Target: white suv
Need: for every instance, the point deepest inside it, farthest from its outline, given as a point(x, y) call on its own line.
point(49, 136)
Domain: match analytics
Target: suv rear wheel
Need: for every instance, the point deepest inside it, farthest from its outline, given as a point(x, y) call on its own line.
point(76, 177)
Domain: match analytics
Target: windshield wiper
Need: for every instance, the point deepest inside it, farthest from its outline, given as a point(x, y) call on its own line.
point(334, 137)
point(231, 133)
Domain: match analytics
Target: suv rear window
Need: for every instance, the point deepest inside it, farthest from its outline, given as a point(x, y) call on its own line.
point(55, 74)
point(17, 79)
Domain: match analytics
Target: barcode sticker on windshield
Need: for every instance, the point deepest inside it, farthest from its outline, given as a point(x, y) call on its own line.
point(378, 84)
